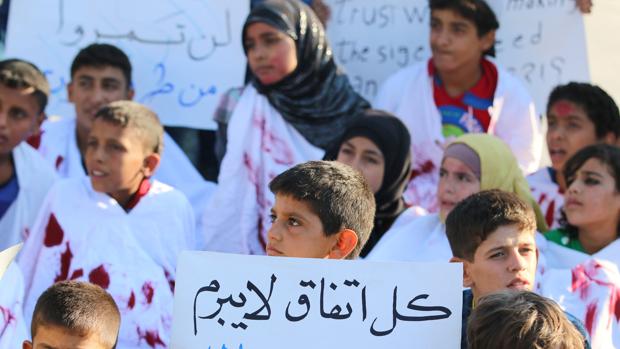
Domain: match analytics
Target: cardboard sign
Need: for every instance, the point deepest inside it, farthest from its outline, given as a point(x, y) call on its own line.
point(236, 301)
point(7, 256)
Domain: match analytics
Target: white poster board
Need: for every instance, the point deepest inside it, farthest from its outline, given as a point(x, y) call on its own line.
point(185, 53)
point(235, 301)
point(7, 256)
point(543, 42)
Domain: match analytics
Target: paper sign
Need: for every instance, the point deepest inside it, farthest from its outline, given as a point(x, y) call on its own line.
point(235, 301)
point(184, 53)
point(7, 256)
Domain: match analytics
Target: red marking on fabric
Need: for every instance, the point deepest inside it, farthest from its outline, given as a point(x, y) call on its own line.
point(261, 238)
point(426, 167)
point(65, 264)
point(170, 279)
point(563, 108)
point(132, 301)
point(35, 140)
point(151, 338)
point(542, 198)
point(78, 273)
point(9, 318)
point(590, 316)
point(550, 213)
point(59, 160)
point(580, 281)
point(143, 189)
point(99, 276)
point(53, 232)
point(148, 291)
point(616, 305)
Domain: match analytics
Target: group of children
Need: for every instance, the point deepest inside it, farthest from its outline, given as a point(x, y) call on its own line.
point(309, 170)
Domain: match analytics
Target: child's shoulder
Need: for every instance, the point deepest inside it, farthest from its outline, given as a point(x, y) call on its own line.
point(164, 195)
point(31, 168)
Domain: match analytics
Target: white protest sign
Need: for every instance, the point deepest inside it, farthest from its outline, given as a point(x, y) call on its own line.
point(235, 301)
point(184, 53)
point(7, 256)
point(543, 42)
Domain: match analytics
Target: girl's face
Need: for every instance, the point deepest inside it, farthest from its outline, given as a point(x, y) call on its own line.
point(592, 199)
point(363, 154)
point(271, 54)
point(456, 182)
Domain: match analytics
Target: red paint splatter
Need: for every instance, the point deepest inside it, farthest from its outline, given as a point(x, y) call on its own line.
point(170, 279)
point(132, 301)
point(53, 232)
point(65, 264)
point(151, 338)
point(35, 140)
point(148, 291)
point(590, 316)
point(99, 276)
point(550, 213)
point(542, 198)
point(563, 108)
point(78, 273)
point(427, 167)
point(59, 160)
point(9, 318)
point(616, 306)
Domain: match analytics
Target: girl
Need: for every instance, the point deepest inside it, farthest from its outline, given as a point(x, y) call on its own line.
point(296, 104)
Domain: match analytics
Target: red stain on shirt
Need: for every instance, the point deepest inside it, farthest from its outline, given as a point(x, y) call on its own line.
point(59, 160)
point(148, 291)
point(9, 318)
point(65, 264)
point(100, 276)
point(35, 140)
point(550, 213)
point(53, 232)
point(78, 273)
point(132, 301)
point(151, 338)
point(590, 316)
point(427, 167)
point(170, 279)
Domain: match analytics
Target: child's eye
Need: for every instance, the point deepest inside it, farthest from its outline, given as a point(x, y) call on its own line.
point(498, 255)
point(293, 222)
point(91, 143)
point(463, 177)
point(16, 113)
point(591, 181)
point(442, 172)
point(574, 126)
point(526, 250)
point(272, 217)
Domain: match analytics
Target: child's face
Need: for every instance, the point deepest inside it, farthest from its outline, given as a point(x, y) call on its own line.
point(455, 43)
point(56, 337)
point(272, 55)
point(363, 154)
point(456, 182)
point(116, 160)
point(20, 117)
point(505, 260)
point(592, 201)
point(296, 231)
point(93, 87)
point(569, 130)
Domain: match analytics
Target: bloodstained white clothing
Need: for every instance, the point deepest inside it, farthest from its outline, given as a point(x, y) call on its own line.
point(548, 195)
point(85, 235)
point(12, 325)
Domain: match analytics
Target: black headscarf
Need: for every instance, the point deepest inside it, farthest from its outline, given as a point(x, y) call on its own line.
point(316, 98)
point(391, 136)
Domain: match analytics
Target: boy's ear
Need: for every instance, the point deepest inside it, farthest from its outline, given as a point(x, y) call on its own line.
point(70, 91)
point(27, 345)
point(131, 93)
point(151, 162)
point(345, 244)
point(487, 40)
point(467, 279)
point(610, 138)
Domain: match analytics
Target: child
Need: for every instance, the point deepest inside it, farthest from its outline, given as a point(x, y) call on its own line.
point(100, 74)
point(115, 228)
point(25, 178)
point(73, 314)
point(521, 320)
point(471, 163)
point(323, 209)
point(460, 90)
point(295, 106)
point(579, 261)
point(578, 115)
point(493, 234)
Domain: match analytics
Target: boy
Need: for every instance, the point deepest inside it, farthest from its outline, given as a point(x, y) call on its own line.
point(116, 228)
point(521, 320)
point(323, 209)
point(578, 114)
point(460, 89)
point(73, 314)
point(493, 234)
point(100, 74)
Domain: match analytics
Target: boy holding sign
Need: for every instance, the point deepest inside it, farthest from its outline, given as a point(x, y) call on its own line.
point(323, 209)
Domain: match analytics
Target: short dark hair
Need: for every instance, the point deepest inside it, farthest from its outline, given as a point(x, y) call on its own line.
point(472, 220)
point(477, 11)
point(598, 105)
point(609, 155)
point(20, 74)
point(521, 320)
point(100, 56)
point(133, 115)
point(79, 307)
point(338, 194)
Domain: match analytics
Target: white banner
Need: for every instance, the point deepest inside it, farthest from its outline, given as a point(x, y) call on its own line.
point(543, 42)
point(236, 301)
point(184, 53)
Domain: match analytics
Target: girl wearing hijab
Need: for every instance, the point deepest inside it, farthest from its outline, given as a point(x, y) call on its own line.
point(377, 144)
point(472, 163)
point(295, 105)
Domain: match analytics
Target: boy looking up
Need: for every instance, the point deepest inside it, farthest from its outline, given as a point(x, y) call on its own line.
point(323, 209)
point(117, 228)
point(73, 314)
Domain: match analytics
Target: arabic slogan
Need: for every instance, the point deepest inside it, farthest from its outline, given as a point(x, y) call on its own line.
point(235, 301)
